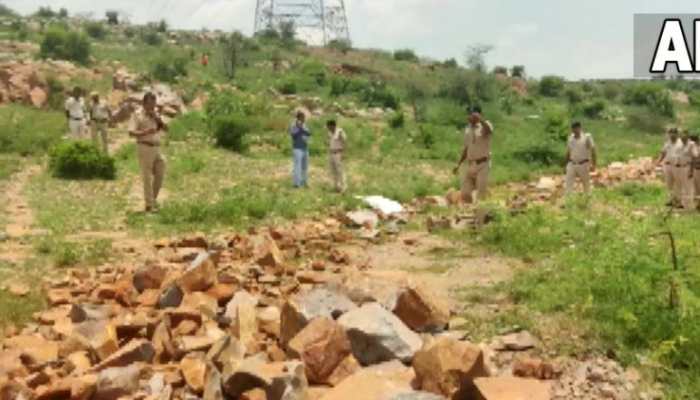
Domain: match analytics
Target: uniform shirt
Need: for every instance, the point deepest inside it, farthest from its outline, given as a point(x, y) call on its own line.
point(688, 152)
point(75, 108)
point(581, 149)
point(673, 151)
point(336, 140)
point(478, 144)
point(99, 111)
point(300, 136)
point(141, 121)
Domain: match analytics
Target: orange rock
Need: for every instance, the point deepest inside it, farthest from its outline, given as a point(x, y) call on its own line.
point(194, 368)
point(38, 349)
point(322, 345)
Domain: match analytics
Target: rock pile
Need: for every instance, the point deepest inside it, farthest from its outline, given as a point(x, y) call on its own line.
point(25, 82)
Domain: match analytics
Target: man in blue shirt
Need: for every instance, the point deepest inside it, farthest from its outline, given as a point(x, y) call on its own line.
point(300, 149)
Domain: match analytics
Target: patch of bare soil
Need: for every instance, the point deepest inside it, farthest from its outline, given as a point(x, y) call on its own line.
point(19, 217)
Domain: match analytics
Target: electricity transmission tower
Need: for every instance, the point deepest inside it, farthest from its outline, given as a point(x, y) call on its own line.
point(315, 21)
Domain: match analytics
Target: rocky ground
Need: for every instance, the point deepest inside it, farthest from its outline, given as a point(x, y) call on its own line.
point(289, 313)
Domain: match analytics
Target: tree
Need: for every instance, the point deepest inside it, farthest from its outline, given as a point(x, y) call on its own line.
point(63, 13)
point(475, 56)
point(551, 86)
point(6, 11)
point(518, 71)
point(500, 70)
point(112, 17)
point(287, 32)
point(61, 44)
point(162, 26)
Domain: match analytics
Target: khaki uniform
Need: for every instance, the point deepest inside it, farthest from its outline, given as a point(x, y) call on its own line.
point(685, 175)
point(579, 166)
point(99, 117)
point(673, 169)
point(150, 159)
point(478, 146)
point(696, 175)
point(76, 116)
point(336, 144)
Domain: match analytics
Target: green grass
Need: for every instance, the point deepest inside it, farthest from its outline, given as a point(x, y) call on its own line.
point(17, 310)
point(27, 131)
point(601, 264)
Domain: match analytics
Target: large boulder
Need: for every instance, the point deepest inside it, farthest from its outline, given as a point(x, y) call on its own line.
point(149, 277)
point(421, 310)
point(302, 308)
point(379, 382)
point(322, 346)
point(377, 335)
point(448, 367)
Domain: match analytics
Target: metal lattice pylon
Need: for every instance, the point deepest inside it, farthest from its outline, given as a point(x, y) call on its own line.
point(315, 21)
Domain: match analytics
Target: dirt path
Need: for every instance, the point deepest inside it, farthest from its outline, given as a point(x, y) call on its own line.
point(19, 218)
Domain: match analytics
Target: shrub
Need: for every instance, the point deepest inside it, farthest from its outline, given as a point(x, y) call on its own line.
point(112, 17)
point(288, 86)
point(168, 67)
point(65, 45)
point(500, 70)
point(551, 86)
point(556, 122)
point(190, 123)
point(397, 120)
point(654, 96)
point(316, 71)
point(379, 95)
point(63, 13)
point(450, 63)
point(612, 90)
point(470, 87)
point(594, 109)
point(6, 11)
point(56, 90)
point(341, 86)
point(80, 160)
point(96, 30)
point(229, 132)
point(151, 37)
point(405, 55)
point(340, 45)
point(574, 95)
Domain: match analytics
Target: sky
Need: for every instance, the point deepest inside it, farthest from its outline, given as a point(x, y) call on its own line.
point(583, 39)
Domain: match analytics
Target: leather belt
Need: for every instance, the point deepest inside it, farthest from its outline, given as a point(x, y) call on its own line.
point(336, 151)
point(76, 119)
point(580, 162)
point(149, 144)
point(680, 165)
point(479, 160)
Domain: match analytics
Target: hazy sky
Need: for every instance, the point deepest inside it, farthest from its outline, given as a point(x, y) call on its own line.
point(576, 39)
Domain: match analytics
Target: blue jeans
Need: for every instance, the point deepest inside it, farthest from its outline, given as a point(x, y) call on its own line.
point(301, 167)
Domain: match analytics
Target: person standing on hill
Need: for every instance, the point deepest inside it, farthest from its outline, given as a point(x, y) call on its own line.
point(75, 113)
point(300, 150)
point(671, 158)
point(146, 126)
point(336, 148)
point(477, 154)
point(581, 158)
point(100, 117)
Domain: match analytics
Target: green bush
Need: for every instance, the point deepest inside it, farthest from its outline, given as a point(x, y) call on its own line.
point(469, 87)
point(551, 86)
point(80, 160)
point(445, 112)
point(574, 95)
point(288, 86)
point(654, 96)
point(96, 30)
point(378, 94)
point(556, 122)
point(397, 120)
point(594, 109)
point(45, 13)
point(342, 85)
point(405, 55)
point(316, 71)
point(6, 11)
point(169, 67)
point(151, 37)
point(61, 44)
point(162, 26)
point(229, 132)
